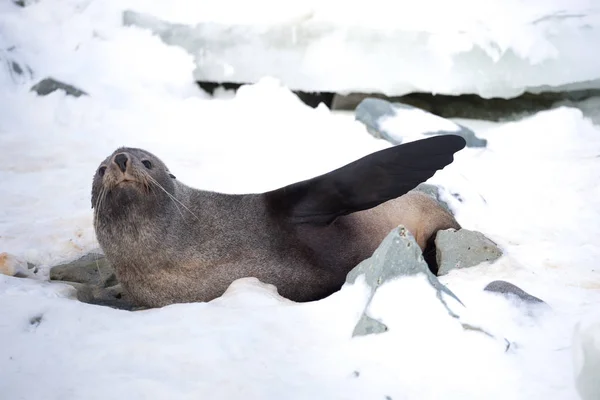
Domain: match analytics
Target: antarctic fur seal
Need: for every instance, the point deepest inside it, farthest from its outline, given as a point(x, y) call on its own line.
point(171, 243)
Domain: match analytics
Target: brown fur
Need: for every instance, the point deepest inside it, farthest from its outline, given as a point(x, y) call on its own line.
point(191, 245)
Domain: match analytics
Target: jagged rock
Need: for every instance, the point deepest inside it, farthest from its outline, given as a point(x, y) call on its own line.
point(510, 290)
point(49, 85)
point(398, 255)
point(463, 249)
point(396, 122)
point(368, 326)
point(92, 269)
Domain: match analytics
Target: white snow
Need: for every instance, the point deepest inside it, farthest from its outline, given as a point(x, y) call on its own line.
point(487, 47)
point(534, 191)
point(586, 357)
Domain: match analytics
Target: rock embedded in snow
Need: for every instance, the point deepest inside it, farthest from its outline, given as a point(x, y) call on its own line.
point(95, 281)
point(49, 85)
point(397, 122)
point(13, 266)
point(24, 3)
point(398, 261)
point(463, 248)
point(509, 290)
point(18, 71)
point(112, 296)
point(92, 269)
point(471, 106)
point(399, 255)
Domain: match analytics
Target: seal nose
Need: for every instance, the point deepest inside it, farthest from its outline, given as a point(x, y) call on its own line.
point(121, 160)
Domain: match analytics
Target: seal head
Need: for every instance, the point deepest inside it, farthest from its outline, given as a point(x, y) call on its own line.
point(131, 178)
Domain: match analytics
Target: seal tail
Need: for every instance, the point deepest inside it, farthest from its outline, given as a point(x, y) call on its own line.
point(366, 182)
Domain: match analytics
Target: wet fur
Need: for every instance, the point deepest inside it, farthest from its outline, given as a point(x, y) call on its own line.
point(170, 243)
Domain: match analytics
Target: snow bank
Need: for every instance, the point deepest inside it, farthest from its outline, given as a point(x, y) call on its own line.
point(586, 358)
point(490, 48)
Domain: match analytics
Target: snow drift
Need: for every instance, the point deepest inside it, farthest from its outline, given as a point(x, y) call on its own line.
point(490, 48)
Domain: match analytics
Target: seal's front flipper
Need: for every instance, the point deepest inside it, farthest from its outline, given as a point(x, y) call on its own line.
point(365, 183)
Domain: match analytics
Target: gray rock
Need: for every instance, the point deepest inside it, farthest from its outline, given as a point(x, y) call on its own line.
point(95, 281)
point(370, 112)
point(463, 249)
point(368, 326)
point(25, 3)
point(113, 296)
point(92, 269)
point(398, 255)
point(510, 290)
point(473, 106)
point(49, 85)
point(18, 71)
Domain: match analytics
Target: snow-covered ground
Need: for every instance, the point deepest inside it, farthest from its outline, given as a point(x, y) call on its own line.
point(534, 191)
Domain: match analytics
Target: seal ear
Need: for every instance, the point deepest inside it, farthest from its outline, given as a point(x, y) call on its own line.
point(365, 183)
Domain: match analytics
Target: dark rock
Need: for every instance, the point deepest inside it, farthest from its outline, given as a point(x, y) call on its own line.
point(25, 3)
point(18, 71)
point(36, 320)
point(113, 296)
point(398, 255)
point(371, 112)
point(472, 106)
point(463, 249)
point(49, 85)
point(314, 99)
point(510, 290)
point(92, 269)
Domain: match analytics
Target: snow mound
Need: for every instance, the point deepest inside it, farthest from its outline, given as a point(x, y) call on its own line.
point(586, 358)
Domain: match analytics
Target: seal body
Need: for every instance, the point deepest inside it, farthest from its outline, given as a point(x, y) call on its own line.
point(170, 243)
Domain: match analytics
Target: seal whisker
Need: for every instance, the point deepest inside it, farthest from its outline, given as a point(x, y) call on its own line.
point(98, 204)
point(168, 194)
point(172, 197)
point(143, 178)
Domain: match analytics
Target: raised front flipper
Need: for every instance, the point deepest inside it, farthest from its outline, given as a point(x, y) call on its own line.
point(365, 183)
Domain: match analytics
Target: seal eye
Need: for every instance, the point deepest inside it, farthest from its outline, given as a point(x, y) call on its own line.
point(147, 164)
point(101, 171)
